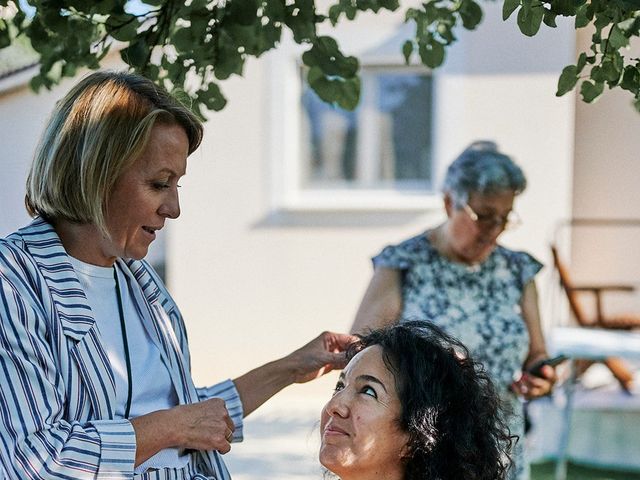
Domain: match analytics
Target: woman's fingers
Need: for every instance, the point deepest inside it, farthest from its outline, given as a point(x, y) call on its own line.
point(206, 425)
point(531, 386)
point(321, 355)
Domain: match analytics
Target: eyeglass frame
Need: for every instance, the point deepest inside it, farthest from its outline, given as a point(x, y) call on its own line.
point(504, 222)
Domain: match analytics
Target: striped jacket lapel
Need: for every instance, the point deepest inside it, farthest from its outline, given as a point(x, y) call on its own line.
point(173, 343)
point(68, 304)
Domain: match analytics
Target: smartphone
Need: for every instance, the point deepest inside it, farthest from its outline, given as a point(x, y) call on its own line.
point(536, 368)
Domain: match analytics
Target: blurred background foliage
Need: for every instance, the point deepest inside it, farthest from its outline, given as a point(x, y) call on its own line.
point(191, 46)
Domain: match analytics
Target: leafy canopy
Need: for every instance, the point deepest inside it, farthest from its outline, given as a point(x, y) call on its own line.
point(190, 46)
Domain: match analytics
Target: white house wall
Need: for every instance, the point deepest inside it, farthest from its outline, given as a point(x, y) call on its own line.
point(606, 186)
point(255, 281)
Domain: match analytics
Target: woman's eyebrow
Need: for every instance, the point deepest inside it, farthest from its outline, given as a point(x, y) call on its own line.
point(371, 378)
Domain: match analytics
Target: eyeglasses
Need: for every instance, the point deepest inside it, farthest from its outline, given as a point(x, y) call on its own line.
point(490, 221)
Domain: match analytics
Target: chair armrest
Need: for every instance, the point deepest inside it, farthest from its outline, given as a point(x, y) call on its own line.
point(603, 288)
point(597, 290)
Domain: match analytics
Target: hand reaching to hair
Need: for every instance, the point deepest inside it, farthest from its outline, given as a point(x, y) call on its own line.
point(324, 353)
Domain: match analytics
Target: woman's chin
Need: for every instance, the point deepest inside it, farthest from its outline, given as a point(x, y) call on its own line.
point(330, 459)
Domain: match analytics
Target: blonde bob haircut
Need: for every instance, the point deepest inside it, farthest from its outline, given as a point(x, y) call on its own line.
point(94, 133)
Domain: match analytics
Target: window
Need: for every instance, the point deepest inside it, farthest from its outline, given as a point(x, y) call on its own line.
point(385, 145)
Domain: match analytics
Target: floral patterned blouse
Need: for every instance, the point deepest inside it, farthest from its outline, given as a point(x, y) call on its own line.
point(479, 305)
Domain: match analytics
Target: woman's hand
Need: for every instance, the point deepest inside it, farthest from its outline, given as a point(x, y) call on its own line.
point(528, 385)
point(324, 353)
point(532, 386)
point(204, 425)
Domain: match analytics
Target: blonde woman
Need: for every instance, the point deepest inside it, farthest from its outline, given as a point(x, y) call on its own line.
point(94, 362)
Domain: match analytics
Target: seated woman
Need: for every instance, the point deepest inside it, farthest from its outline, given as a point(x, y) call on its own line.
point(411, 404)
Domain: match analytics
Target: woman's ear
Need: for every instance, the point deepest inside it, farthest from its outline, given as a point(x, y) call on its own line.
point(406, 452)
point(448, 204)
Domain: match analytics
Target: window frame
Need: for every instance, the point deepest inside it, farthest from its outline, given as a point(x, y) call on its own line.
point(285, 120)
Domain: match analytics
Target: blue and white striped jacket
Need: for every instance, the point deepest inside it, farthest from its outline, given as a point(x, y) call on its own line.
point(57, 389)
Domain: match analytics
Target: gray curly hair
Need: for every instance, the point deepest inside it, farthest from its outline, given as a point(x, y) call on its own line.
point(481, 168)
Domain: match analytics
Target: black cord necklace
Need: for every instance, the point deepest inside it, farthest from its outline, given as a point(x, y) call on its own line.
point(125, 342)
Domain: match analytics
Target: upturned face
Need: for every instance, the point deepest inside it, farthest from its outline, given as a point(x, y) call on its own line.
point(145, 196)
point(474, 230)
point(361, 437)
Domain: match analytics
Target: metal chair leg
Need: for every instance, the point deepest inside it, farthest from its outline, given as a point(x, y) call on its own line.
point(569, 388)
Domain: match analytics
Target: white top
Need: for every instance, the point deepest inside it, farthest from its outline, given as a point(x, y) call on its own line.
point(152, 387)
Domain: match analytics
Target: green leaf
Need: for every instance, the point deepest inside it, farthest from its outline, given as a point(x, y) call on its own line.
point(432, 54)
point(136, 54)
point(5, 37)
point(182, 40)
point(611, 71)
point(568, 80)
point(334, 14)
point(122, 27)
point(471, 14)
point(565, 8)
point(582, 18)
point(243, 12)
point(274, 10)
point(509, 7)
point(36, 83)
point(69, 69)
point(212, 97)
point(582, 61)
point(325, 54)
point(617, 38)
point(530, 17)
point(300, 17)
point(549, 19)
point(407, 51)
point(591, 90)
point(19, 19)
point(343, 93)
point(597, 74)
point(631, 79)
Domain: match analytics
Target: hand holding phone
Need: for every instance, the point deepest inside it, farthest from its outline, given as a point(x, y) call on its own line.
point(536, 368)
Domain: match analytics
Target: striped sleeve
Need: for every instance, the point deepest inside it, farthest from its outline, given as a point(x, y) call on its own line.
point(227, 391)
point(37, 441)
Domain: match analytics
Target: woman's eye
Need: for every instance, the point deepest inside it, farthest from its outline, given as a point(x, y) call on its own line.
point(367, 390)
point(161, 185)
point(339, 386)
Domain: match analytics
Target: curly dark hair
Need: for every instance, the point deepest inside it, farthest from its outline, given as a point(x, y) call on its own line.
point(450, 408)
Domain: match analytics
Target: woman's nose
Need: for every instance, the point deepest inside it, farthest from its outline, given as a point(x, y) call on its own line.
point(171, 206)
point(338, 406)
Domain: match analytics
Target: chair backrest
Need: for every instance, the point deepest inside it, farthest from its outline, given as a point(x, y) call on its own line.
point(567, 286)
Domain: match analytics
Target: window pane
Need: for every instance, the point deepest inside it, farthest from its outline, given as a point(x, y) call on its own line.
point(384, 143)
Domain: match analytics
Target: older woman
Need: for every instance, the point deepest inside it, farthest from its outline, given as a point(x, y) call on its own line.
point(457, 276)
point(94, 363)
point(412, 405)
